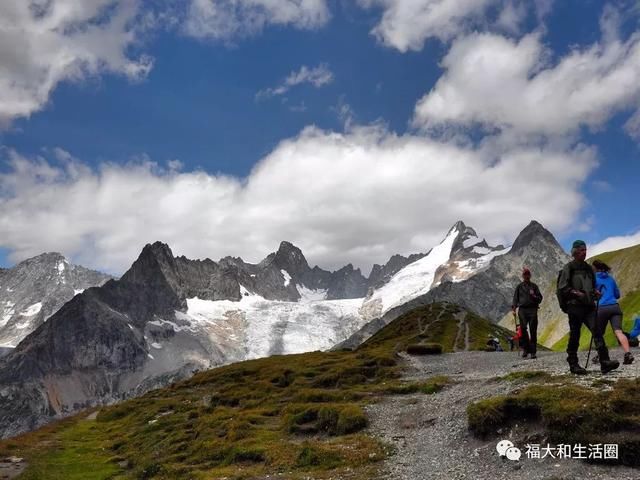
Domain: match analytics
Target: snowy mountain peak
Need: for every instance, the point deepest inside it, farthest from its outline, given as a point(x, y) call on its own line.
point(461, 254)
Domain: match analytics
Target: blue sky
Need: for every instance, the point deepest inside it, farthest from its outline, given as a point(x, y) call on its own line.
point(198, 103)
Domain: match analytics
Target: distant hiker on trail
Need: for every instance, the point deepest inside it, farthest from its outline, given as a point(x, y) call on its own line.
point(494, 344)
point(517, 337)
point(578, 297)
point(526, 300)
point(609, 309)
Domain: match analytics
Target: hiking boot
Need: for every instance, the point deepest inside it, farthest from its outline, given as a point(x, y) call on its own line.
point(533, 356)
point(607, 365)
point(628, 359)
point(525, 354)
point(576, 369)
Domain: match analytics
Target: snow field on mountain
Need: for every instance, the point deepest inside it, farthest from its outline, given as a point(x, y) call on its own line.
point(277, 327)
point(416, 278)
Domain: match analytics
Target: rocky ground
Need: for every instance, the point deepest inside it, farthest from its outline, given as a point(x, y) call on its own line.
point(11, 467)
point(430, 432)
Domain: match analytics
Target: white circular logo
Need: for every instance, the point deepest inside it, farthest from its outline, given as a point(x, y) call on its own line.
point(503, 446)
point(514, 453)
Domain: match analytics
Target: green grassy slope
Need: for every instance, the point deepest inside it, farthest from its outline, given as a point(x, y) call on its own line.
point(292, 415)
point(625, 266)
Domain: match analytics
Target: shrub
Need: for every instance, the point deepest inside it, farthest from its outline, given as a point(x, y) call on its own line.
point(315, 456)
point(351, 419)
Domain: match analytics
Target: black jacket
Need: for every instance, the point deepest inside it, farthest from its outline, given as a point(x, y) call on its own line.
point(578, 276)
point(527, 295)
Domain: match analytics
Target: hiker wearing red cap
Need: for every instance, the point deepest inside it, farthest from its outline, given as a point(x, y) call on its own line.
point(526, 300)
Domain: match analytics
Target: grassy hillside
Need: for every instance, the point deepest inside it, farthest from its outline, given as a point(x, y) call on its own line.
point(625, 266)
point(296, 416)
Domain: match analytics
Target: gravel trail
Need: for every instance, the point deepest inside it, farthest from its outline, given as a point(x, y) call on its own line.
point(430, 432)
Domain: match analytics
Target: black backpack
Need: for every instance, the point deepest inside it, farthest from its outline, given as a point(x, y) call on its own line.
point(562, 298)
point(563, 301)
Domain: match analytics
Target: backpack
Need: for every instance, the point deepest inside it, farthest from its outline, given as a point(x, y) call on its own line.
point(562, 299)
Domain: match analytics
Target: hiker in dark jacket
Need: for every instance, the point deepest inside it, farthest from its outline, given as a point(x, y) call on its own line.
point(526, 300)
point(577, 285)
point(609, 309)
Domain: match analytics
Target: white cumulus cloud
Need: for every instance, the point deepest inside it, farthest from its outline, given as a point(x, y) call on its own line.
point(358, 196)
point(43, 43)
point(406, 25)
point(498, 82)
point(230, 19)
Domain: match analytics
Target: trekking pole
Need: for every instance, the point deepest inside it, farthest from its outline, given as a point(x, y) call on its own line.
point(516, 348)
point(595, 325)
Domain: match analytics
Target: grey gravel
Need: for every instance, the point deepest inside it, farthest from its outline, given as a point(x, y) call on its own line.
point(430, 434)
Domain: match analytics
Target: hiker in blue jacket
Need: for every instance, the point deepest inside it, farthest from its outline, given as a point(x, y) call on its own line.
point(609, 309)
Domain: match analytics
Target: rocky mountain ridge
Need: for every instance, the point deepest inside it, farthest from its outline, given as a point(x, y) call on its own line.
point(489, 290)
point(169, 316)
point(35, 289)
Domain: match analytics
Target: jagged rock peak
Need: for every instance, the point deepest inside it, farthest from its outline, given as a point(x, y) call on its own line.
point(348, 268)
point(288, 248)
point(531, 232)
point(154, 256)
point(290, 258)
point(466, 240)
point(459, 225)
point(157, 249)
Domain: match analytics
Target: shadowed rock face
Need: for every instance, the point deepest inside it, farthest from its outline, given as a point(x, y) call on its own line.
point(35, 289)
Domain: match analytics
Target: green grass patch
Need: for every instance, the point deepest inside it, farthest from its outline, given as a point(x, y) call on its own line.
point(438, 324)
point(74, 452)
point(526, 375)
point(569, 414)
point(432, 385)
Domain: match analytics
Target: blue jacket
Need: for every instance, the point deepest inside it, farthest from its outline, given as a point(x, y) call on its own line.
point(609, 288)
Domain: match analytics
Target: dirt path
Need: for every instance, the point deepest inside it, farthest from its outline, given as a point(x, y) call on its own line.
point(430, 431)
point(466, 336)
point(11, 467)
point(461, 323)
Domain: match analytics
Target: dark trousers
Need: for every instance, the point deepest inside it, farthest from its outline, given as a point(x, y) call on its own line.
point(579, 315)
point(529, 323)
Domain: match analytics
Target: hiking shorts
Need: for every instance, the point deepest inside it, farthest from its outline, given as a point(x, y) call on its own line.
point(610, 313)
